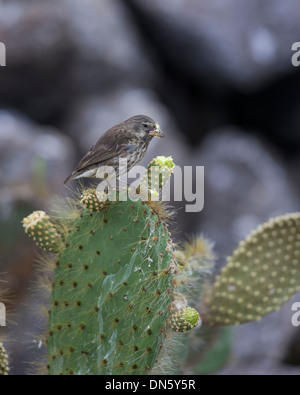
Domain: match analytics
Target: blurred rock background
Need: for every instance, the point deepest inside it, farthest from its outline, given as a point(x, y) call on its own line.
point(218, 77)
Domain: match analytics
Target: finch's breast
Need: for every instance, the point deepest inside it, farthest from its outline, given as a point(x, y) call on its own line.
point(136, 156)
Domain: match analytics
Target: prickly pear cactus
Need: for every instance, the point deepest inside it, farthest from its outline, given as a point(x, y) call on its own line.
point(113, 285)
point(122, 300)
point(260, 277)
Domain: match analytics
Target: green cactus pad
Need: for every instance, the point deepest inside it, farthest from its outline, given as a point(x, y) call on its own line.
point(111, 292)
point(39, 227)
point(260, 277)
point(185, 320)
point(3, 361)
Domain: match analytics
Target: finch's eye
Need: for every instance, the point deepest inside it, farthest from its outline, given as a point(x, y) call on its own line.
point(145, 125)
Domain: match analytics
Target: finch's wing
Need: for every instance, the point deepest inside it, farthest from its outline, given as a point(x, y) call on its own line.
point(109, 146)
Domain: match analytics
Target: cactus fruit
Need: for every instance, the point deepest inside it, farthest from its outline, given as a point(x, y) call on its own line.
point(90, 200)
point(39, 227)
point(185, 320)
point(260, 276)
point(3, 361)
point(157, 175)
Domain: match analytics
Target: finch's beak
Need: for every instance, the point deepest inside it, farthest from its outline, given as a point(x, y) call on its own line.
point(156, 132)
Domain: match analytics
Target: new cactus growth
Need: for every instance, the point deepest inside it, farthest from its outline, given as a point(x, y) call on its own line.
point(156, 177)
point(158, 172)
point(38, 226)
point(90, 200)
point(185, 320)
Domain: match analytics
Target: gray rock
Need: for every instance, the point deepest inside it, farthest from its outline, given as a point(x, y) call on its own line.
point(92, 116)
point(59, 50)
point(97, 31)
point(244, 42)
point(245, 184)
point(33, 159)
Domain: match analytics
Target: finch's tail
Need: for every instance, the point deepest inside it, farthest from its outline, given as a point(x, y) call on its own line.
point(88, 173)
point(70, 178)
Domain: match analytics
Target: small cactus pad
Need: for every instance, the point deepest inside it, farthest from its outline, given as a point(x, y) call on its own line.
point(111, 292)
point(3, 361)
point(260, 277)
point(185, 320)
point(39, 227)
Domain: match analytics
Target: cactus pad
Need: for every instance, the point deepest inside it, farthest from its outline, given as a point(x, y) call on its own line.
point(111, 292)
point(260, 276)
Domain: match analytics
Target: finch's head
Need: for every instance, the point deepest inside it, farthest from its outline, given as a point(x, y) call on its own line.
point(144, 127)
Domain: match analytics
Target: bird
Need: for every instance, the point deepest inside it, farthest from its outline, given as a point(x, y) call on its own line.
point(127, 140)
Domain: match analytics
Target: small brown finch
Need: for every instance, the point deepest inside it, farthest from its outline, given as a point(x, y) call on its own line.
point(128, 140)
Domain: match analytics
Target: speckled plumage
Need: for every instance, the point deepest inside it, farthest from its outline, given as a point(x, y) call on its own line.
point(127, 140)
